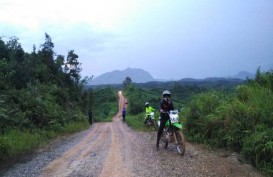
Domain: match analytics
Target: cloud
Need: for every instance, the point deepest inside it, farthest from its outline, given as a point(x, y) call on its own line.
point(170, 39)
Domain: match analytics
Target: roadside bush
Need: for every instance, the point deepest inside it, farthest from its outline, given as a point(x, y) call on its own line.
point(17, 142)
point(242, 121)
point(258, 148)
point(136, 99)
point(106, 104)
point(199, 116)
point(4, 148)
point(39, 97)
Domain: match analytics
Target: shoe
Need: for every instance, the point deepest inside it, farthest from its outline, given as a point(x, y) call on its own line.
point(157, 147)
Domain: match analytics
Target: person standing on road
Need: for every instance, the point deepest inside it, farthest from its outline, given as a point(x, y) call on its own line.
point(165, 106)
point(90, 114)
point(123, 114)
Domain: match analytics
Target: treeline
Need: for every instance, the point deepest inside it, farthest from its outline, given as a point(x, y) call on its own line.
point(41, 94)
point(138, 95)
point(106, 106)
point(241, 120)
point(181, 94)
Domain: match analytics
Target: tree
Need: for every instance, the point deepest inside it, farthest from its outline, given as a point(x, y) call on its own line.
point(16, 64)
point(59, 62)
point(127, 81)
point(3, 49)
point(73, 66)
point(45, 69)
point(36, 90)
point(47, 51)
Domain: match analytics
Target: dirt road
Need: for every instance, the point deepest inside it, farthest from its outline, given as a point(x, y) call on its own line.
point(114, 150)
point(104, 146)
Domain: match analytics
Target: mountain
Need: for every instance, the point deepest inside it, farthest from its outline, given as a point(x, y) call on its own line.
point(117, 77)
point(141, 76)
point(244, 75)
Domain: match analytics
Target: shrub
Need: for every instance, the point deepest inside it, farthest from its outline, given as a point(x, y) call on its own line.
point(241, 121)
point(258, 148)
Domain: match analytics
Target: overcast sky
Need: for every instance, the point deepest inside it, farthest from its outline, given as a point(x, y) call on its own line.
point(171, 39)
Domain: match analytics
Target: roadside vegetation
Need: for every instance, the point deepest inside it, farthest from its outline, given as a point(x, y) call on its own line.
point(41, 97)
point(241, 121)
point(106, 106)
point(239, 118)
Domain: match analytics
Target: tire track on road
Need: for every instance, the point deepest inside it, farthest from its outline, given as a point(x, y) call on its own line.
point(65, 164)
point(114, 164)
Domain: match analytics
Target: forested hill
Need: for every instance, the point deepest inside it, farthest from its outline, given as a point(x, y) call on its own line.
point(40, 88)
point(41, 96)
point(208, 83)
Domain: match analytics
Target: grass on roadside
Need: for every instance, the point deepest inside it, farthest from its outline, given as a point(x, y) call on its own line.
point(16, 142)
point(136, 122)
point(108, 119)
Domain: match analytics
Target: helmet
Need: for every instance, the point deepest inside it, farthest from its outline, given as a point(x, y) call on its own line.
point(147, 103)
point(166, 95)
point(166, 92)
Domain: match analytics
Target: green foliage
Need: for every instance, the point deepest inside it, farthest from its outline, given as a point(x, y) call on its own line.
point(16, 142)
point(137, 122)
point(72, 66)
point(106, 104)
point(137, 98)
point(76, 126)
point(4, 148)
point(241, 121)
point(258, 148)
point(39, 97)
point(264, 79)
point(127, 81)
point(199, 117)
point(184, 93)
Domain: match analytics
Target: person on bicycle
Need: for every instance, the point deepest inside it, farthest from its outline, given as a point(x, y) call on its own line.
point(165, 106)
point(148, 111)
